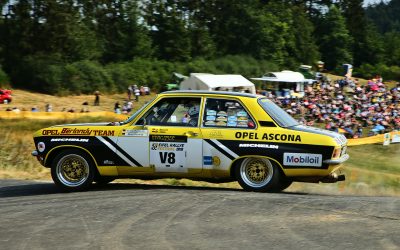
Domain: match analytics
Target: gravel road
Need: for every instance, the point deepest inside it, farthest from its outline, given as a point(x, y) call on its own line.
point(34, 215)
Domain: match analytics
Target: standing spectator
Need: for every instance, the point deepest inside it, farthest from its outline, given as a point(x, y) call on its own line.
point(97, 98)
point(130, 90)
point(137, 93)
point(147, 90)
point(48, 107)
point(117, 108)
point(129, 107)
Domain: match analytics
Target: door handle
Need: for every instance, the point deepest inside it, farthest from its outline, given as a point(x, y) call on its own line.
point(191, 133)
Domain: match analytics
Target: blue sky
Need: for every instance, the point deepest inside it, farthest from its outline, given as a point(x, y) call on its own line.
point(367, 2)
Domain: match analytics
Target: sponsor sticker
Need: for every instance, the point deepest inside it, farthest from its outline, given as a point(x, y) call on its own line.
point(135, 132)
point(232, 124)
point(209, 123)
point(165, 146)
point(41, 146)
point(95, 132)
point(300, 159)
point(222, 118)
point(220, 123)
point(216, 134)
point(211, 112)
point(242, 113)
point(207, 160)
point(69, 140)
point(253, 145)
point(168, 138)
point(210, 118)
point(232, 118)
point(216, 161)
point(242, 124)
point(221, 113)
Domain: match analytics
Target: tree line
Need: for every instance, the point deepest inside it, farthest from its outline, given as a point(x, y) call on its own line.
point(78, 46)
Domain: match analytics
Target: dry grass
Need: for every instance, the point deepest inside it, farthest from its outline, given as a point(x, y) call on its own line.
point(26, 100)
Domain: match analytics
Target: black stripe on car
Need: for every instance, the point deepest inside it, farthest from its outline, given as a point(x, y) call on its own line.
point(219, 149)
point(120, 150)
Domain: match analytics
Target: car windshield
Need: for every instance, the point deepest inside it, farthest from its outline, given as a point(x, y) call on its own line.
point(134, 115)
point(279, 115)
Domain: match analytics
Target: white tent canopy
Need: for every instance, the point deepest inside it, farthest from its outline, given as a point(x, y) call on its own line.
point(283, 76)
point(203, 81)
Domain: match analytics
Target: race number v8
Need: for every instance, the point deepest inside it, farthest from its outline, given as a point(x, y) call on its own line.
point(168, 156)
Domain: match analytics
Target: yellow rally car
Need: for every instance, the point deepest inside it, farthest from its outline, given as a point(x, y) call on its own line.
point(213, 136)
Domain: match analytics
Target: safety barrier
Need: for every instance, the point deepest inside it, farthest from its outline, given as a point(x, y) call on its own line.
point(58, 115)
point(394, 137)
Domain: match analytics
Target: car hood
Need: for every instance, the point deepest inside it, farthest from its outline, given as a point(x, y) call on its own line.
point(339, 138)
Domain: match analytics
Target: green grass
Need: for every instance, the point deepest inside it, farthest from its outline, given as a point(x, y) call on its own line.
point(382, 159)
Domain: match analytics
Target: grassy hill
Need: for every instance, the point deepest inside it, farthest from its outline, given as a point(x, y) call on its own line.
point(26, 100)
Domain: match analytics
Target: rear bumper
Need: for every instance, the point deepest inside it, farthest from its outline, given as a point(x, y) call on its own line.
point(342, 159)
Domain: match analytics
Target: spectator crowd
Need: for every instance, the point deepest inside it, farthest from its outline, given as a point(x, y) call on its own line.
point(347, 106)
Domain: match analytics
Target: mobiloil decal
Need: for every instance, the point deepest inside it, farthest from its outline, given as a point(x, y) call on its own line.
point(297, 159)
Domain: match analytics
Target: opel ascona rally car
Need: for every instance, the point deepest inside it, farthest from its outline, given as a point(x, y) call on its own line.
point(213, 136)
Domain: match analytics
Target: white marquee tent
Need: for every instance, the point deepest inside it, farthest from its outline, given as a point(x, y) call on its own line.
point(285, 81)
point(203, 81)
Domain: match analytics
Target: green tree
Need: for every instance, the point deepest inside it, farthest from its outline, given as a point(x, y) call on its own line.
point(392, 48)
point(117, 28)
point(357, 25)
point(169, 29)
point(335, 40)
point(62, 31)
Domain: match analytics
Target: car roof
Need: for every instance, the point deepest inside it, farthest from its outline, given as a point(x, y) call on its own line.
point(205, 92)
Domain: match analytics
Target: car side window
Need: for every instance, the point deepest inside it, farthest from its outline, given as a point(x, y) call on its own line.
point(173, 112)
point(226, 113)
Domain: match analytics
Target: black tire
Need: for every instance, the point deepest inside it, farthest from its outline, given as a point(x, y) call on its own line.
point(103, 180)
point(258, 175)
point(73, 170)
point(284, 183)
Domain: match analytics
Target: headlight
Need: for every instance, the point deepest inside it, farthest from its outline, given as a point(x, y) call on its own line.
point(336, 153)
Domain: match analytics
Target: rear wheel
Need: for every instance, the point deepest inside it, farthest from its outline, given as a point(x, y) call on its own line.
point(258, 174)
point(72, 170)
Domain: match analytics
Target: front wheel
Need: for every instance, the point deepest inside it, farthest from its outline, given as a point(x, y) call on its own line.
point(72, 170)
point(258, 174)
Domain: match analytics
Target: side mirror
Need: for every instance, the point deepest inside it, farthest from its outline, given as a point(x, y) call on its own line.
point(142, 121)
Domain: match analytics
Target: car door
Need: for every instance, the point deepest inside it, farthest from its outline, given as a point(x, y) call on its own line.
point(175, 140)
point(223, 120)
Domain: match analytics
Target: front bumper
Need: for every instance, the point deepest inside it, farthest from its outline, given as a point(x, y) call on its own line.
point(39, 157)
point(342, 159)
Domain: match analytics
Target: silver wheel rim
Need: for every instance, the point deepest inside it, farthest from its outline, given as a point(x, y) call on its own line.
point(256, 172)
point(72, 170)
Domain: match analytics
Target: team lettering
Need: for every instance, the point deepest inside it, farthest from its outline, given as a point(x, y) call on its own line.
point(75, 131)
point(95, 132)
point(268, 137)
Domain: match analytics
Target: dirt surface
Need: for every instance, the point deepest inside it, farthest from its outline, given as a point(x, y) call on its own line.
point(34, 215)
